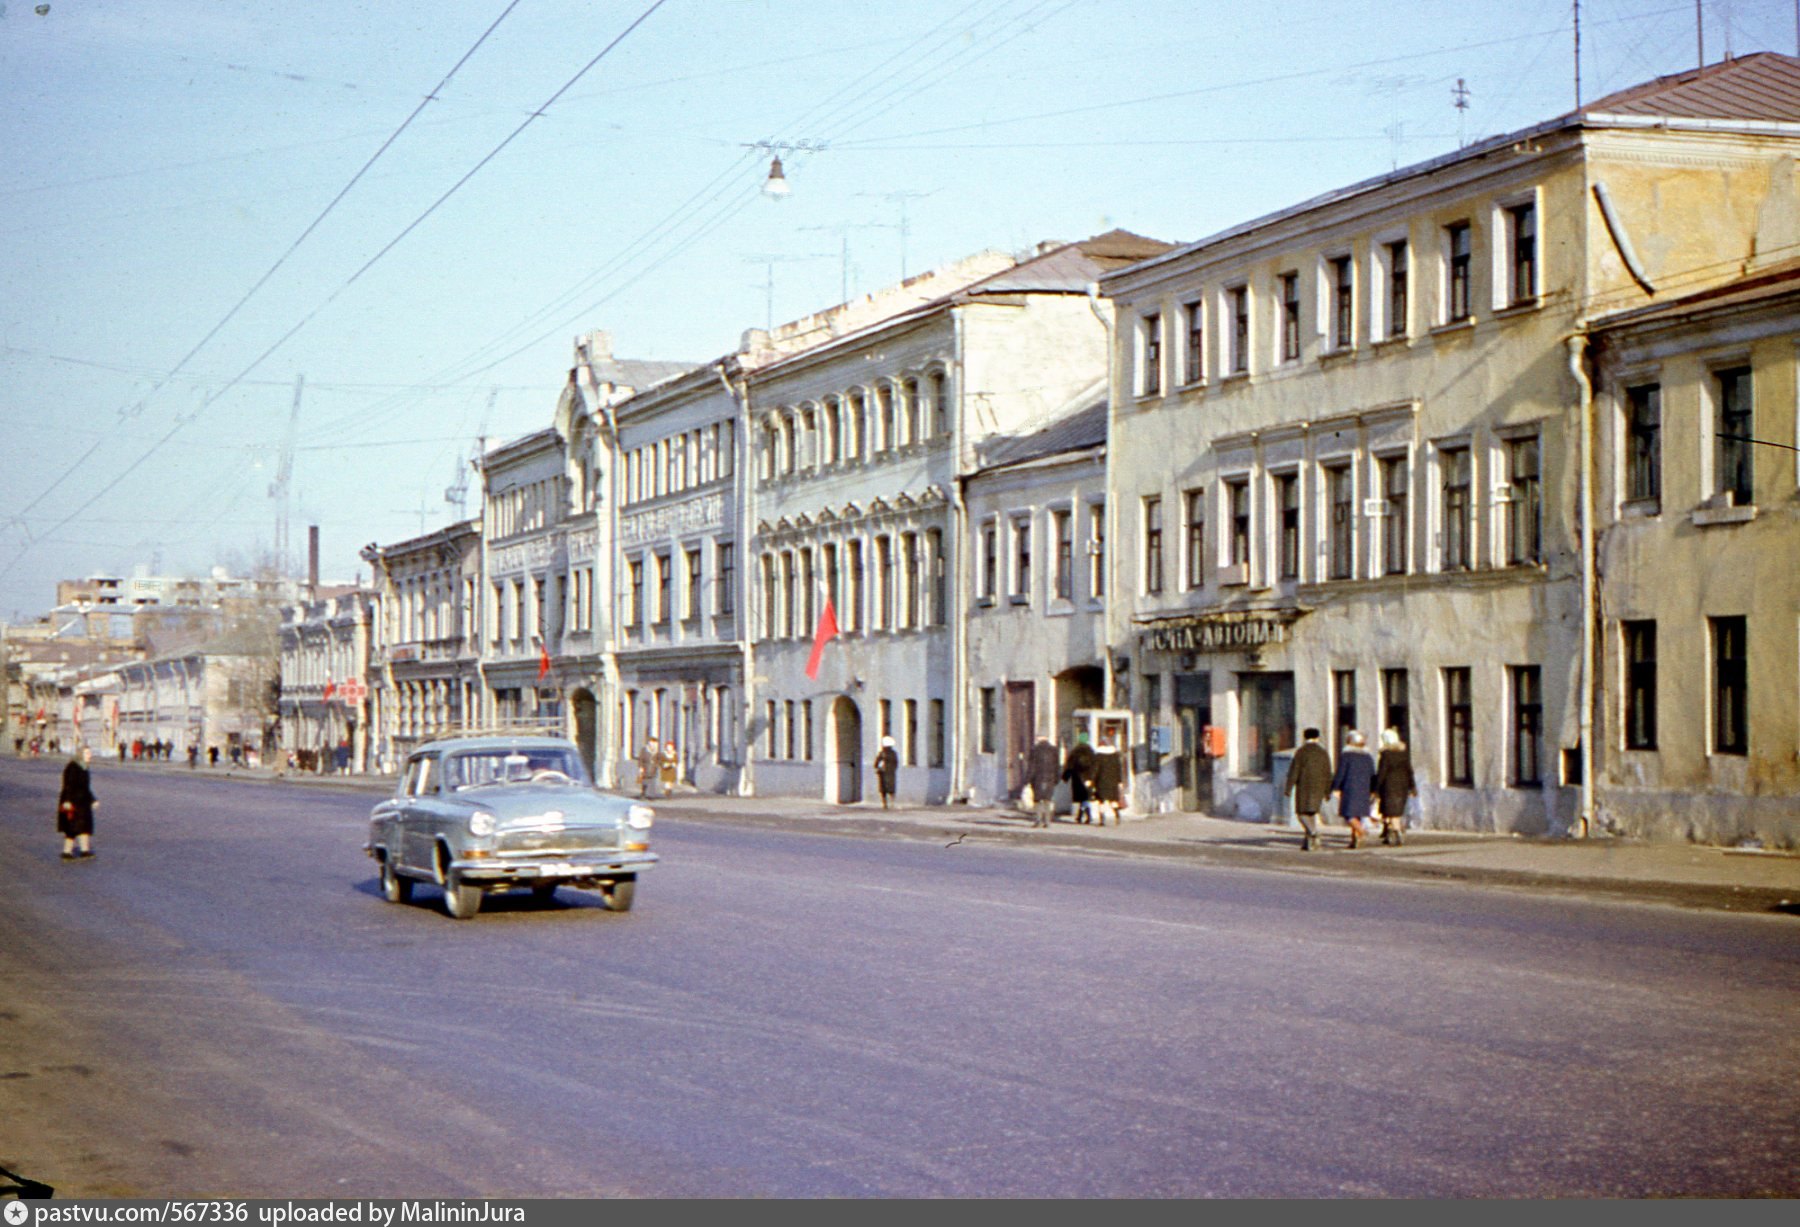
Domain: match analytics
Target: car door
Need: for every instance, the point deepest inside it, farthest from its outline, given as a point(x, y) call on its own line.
point(416, 842)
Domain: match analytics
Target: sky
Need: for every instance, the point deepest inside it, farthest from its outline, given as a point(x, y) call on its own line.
point(345, 239)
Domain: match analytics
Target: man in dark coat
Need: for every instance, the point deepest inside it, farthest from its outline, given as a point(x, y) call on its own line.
point(1043, 769)
point(1309, 780)
point(1078, 769)
point(75, 808)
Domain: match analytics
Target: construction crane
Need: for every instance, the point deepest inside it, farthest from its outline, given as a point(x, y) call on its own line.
point(281, 488)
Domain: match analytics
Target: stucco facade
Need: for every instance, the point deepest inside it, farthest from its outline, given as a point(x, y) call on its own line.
point(1349, 459)
point(423, 642)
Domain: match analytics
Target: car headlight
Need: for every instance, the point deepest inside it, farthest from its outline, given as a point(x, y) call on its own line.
point(481, 823)
point(640, 817)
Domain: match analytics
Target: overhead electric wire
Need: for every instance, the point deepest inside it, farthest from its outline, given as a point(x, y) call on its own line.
point(294, 246)
point(536, 114)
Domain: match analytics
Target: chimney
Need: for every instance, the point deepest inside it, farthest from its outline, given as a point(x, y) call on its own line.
point(312, 562)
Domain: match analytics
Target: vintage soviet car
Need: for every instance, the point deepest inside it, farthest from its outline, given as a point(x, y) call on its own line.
point(479, 814)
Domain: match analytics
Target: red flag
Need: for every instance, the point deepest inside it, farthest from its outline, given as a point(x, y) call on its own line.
point(330, 689)
point(828, 629)
point(543, 662)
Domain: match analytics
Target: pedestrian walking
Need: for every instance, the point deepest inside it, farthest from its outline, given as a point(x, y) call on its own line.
point(671, 767)
point(75, 808)
point(1043, 769)
point(1354, 783)
point(1309, 780)
point(649, 762)
point(887, 770)
point(1394, 785)
point(1109, 781)
point(1078, 770)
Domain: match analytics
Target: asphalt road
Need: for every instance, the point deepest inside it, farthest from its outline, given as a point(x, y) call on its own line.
point(220, 1004)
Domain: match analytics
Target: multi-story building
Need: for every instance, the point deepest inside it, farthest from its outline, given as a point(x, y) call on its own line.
point(423, 651)
point(858, 447)
point(218, 695)
point(1697, 508)
point(1347, 445)
point(326, 681)
point(1036, 639)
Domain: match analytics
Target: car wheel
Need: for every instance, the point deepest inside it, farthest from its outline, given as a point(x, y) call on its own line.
point(619, 895)
point(394, 888)
point(461, 900)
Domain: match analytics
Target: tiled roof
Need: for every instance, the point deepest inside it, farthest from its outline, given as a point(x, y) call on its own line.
point(1764, 86)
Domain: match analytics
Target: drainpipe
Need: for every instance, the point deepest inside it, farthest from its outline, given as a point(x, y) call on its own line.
point(1112, 537)
point(745, 486)
point(959, 522)
point(1589, 613)
point(606, 735)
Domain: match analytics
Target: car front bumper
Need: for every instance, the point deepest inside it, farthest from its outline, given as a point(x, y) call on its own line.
point(576, 867)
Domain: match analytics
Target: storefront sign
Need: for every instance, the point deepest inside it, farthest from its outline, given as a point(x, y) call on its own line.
point(1241, 632)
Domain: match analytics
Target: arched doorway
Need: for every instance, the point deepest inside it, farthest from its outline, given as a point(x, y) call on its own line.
point(1081, 687)
point(584, 711)
point(843, 779)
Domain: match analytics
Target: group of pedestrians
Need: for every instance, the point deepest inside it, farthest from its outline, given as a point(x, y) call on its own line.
point(1360, 782)
point(659, 766)
point(1095, 776)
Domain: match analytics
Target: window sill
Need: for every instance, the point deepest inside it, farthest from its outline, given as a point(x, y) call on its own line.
point(1455, 327)
point(1337, 357)
point(1018, 599)
point(1640, 508)
point(1236, 377)
point(984, 602)
point(1706, 517)
point(1397, 341)
point(1193, 385)
point(1525, 306)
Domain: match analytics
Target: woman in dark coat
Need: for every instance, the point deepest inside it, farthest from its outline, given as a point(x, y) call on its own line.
point(887, 770)
point(75, 808)
point(1078, 770)
point(1353, 784)
point(1109, 781)
point(1394, 783)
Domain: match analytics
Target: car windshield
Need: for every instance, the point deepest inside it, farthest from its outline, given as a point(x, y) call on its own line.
point(547, 765)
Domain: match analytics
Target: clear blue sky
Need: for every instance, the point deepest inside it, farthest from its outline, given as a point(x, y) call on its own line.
point(159, 157)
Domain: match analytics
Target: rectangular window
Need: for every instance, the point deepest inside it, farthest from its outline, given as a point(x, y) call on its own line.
point(884, 583)
point(1195, 501)
point(770, 594)
point(1196, 341)
point(1343, 699)
point(1237, 495)
point(696, 586)
point(1399, 275)
point(1343, 303)
point(1152, 381)
point(909, 740)
point(1457, 244)
point(790, 727)
point(634, 613)
point(1396, 704)
point(1524, 507)
point(1394, 523)
point(1459, 721)
point(1527, 726)
point(1643, 444)
point(1287, 508)
point(989, 708)
point(909, 569)
point(940, 404)
point(935, 742)
point(1521, 227)
point(1062, 523)
point(1735, 432)
point(934, 562)
point(1240, 329)
point(809, 589)
point(725, 558)
point(1097, 550)
point(1458, 505)
point(1640, 684)
point(772, 715)
point(806, 730)
point(853, 579)
point(1340, 494)
point(665, 580)
point(1021, 586)
point(1153, 546)
point(1731, 686)
point(1290, 316)
point(990, 562)
point(790, 609)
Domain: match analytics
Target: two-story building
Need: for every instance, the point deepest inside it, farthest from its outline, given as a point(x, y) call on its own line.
point(1348, 444)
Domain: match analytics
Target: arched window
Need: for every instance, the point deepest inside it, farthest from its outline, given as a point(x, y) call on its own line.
point(911, 409)
point(832, 427)
point(940, 403)
point(884, 417)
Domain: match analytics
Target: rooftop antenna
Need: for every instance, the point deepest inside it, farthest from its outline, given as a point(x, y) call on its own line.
point(281, 488)
point(1699, 34)
point(843, 229)
point(1577, 55)
point(768, 286)
point(458, 493)
point(900, 198)
point(1459, 98)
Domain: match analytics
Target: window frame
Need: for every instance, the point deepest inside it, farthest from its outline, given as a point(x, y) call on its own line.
point(1637, 648)
point(1459, 727)
point(1642, 427)
point(1151, 512)
point(1288, 309)
point(1459, 272)
point(1729, 691)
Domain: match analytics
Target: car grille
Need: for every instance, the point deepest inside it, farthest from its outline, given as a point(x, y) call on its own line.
point(557, 839)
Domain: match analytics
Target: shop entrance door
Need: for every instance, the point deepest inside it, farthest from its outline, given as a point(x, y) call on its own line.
point(1194, 766)
point(1021, 725)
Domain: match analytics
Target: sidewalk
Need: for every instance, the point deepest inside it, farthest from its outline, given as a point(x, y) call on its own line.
point(1691, 875)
